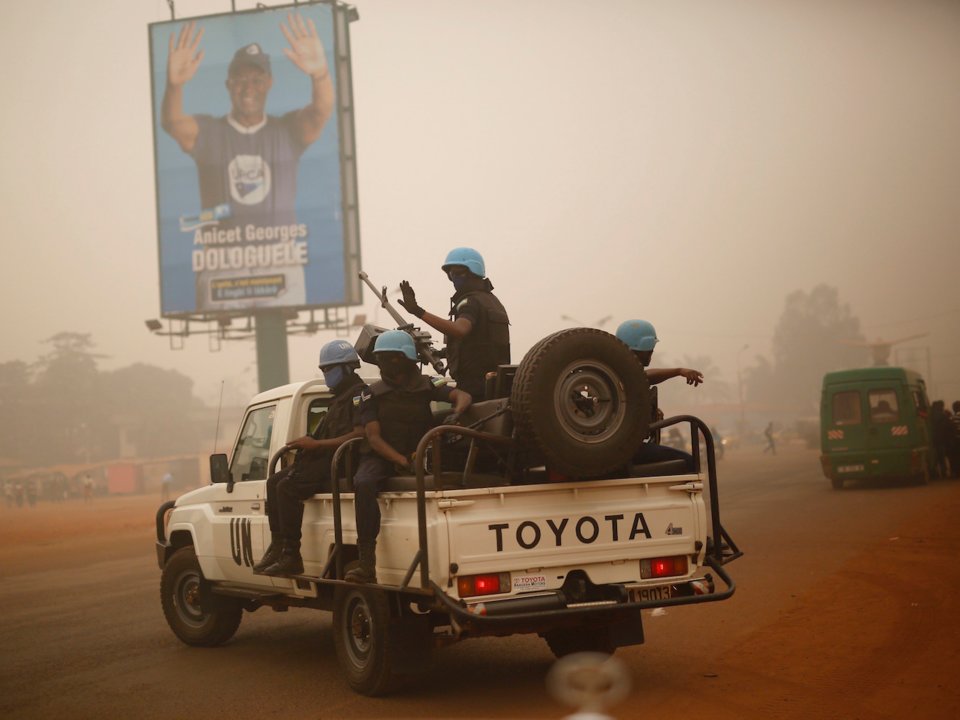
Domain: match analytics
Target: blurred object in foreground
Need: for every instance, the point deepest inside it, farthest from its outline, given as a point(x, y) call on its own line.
point(590, 682)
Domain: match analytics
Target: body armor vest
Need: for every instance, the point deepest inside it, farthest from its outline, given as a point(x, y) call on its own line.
point(484, 348)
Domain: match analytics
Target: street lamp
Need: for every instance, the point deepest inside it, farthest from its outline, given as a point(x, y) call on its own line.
point(740, 388)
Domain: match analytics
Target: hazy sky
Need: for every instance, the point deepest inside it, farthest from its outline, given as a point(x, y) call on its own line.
point(689, 162)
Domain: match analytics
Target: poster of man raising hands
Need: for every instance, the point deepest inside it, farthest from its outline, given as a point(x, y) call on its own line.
point(248, 162)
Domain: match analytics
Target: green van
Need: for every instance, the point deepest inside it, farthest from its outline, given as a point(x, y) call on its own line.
point(875, 423)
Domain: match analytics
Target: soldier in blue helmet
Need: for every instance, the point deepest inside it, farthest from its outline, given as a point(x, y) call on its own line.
point(310, 471)
point(395, 413)
point(477, 333)
point(641, 337)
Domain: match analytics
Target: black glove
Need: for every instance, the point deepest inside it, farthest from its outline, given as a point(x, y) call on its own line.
point(409, 301)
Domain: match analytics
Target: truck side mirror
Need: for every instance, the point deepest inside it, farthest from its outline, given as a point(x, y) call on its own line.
point(220, 470)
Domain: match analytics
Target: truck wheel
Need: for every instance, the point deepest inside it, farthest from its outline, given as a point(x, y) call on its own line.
point(360, 618)
point(582, 399)
point(837, 483)
point(567, 642)
point(180, 598)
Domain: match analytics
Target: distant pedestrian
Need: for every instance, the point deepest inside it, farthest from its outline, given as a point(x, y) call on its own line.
point(87, 488)
point(768, 434)
point(165, 484)
point(954, 451)
point(942, 430)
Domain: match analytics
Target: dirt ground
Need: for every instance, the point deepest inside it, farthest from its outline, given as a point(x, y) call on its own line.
point(49, 536)
point(880, 638)
point(846, 607)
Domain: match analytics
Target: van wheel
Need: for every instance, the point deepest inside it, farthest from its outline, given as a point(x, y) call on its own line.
point(360, 618)
point(837, 483)
point(582, 399)
point(180, 585)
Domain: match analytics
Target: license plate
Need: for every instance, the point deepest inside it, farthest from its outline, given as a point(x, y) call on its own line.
point(660, 592)
point(850, 468)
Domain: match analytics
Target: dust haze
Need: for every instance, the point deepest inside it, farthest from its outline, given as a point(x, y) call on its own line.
point(689, 163)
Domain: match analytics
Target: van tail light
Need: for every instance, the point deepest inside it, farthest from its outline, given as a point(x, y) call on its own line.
point(663, 567)
point(486, 584)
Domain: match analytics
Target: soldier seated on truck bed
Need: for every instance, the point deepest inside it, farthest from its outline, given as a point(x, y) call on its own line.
point(395, 414)
point(310, 472)
point(641, 337)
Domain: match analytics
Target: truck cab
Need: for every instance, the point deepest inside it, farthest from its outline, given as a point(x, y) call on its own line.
point(875, 423)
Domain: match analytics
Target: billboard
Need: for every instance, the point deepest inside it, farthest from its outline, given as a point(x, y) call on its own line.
point(255, 175)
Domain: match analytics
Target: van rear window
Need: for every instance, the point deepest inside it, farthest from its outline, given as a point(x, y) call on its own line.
point(846, 408)
point(884, 406)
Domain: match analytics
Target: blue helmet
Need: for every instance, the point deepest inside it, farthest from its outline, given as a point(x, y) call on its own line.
point(396, 341)
point(338, 352)
point(468, 258)
point(638, 335)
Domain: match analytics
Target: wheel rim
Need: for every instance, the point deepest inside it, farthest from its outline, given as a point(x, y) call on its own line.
point(589, 401)
point(186, 598)
point(358, 630)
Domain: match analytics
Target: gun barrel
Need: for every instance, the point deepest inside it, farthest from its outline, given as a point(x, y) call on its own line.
point(384, 303)
point(424, 347)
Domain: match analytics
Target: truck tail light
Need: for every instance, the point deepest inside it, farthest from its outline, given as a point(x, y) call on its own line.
point(663, 567)
point(487, 584)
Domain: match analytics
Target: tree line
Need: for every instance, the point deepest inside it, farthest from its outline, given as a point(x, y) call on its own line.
point(62, 408)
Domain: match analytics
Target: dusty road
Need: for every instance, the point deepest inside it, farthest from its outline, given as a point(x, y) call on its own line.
point(845, 608)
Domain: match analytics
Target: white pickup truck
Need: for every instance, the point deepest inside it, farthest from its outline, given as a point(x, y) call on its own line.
point(529, 517)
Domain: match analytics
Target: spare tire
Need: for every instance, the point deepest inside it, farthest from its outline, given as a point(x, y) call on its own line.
point(582, 399)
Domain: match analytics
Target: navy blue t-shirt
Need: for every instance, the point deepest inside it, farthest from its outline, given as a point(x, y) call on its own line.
point(254, 172)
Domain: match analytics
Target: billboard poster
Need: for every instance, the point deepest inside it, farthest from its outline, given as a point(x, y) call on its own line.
point(247, 150)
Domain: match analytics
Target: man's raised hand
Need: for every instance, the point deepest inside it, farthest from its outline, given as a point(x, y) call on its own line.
point(184, 58)
point(305, 51)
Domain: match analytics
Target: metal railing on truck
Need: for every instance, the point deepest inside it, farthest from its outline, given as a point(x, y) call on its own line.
point(720, 547)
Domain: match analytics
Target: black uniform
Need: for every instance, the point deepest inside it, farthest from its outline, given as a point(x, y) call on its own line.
point(404, 415)
point(310, 472)
point(486, 346)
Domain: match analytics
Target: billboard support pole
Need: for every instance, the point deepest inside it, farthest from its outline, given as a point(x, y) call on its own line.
point(273, 359)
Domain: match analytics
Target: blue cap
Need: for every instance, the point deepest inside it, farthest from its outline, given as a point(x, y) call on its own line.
point(396, 341)
point(468, 258)
point(638, 335)
point(338, 352)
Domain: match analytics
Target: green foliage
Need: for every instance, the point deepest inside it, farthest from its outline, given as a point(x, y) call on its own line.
point(155, 407)
point(62, 408)
point(815, 334)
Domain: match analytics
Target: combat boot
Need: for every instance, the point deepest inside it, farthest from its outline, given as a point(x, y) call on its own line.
point(289, 563)
point(366, 569)
point(271, 555)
